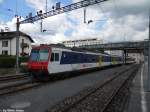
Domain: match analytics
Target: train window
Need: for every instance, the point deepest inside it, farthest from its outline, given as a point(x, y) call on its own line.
point(43, 55)
point(103, 58)
point(56, 56)
point(64, 55)
point(52, 57)
point(34, 54)
point(94, 59)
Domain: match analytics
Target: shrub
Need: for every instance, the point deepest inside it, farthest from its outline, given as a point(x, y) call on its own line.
point(7, 61)
point(23, 59)
point(10, 61)
point(23, 64)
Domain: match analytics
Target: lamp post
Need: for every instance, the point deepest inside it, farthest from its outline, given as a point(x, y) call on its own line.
point(40, 14)
point(84, 15)
point(149, 55)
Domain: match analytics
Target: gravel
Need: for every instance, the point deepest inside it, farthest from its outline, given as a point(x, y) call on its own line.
point(84, 101)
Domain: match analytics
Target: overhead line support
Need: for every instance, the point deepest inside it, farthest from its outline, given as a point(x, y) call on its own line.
point(61, 10)
point(53, 12)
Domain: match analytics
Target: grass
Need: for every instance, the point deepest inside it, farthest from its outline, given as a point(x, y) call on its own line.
point(4, 71)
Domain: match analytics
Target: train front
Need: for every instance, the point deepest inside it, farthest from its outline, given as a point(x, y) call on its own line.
point(38, 63)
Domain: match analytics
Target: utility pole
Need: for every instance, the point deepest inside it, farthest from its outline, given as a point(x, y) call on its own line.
point(46, 7)
point(40, 14)
point(41, 24)
point(149, 54)
point(85, 15)
point(17, 45)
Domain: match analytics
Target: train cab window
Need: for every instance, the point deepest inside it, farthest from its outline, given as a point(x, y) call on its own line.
point(43, 56)
point(35, 55)
point(39, 55)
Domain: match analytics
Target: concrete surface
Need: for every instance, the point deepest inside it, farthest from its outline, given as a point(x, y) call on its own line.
point(140, 97)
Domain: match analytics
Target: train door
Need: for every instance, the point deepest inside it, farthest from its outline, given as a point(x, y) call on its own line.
point(54, 62)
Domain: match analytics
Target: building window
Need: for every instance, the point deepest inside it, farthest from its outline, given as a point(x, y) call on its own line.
point(5, 52)
point(4, 43)
point(22, 40)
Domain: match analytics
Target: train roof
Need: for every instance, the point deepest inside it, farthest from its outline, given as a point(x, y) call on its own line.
point(75, 49)
point(64, 47)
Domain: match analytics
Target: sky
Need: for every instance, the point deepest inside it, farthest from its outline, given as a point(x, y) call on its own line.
point(113, 20)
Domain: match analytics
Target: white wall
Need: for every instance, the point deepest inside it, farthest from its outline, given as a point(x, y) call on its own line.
point(5, 48)
point(138, 56)
point(12, 46)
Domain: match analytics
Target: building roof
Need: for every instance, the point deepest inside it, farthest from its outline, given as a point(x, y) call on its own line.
point(10, 35)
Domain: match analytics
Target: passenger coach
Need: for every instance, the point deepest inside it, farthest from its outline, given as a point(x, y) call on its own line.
point(50, 60)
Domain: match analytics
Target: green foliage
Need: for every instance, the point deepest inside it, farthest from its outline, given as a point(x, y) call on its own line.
point(10, 61)
point(7, 61)
point(23, 67)
point(23, 59)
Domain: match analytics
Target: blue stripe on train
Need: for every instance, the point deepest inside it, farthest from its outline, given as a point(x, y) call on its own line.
point(75, 58)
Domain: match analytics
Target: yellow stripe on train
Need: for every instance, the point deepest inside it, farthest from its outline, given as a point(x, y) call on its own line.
point(99, 63)
point(113, 61)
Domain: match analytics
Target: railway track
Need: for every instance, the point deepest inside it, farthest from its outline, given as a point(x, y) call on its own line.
point(14, 83)
point(19, 86)
point(97, 98)
point(13, 77)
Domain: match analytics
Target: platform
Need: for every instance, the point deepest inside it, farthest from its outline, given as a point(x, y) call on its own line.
point(140, 98)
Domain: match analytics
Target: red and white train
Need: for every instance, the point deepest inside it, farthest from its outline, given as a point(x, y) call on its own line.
point(46, 60)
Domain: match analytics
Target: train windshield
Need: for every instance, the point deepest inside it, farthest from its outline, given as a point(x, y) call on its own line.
point(39, 55)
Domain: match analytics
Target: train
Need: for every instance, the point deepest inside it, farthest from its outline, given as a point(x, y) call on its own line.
point(49, 60)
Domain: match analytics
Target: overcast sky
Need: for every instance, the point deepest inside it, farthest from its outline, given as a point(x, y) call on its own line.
point(113, 21)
